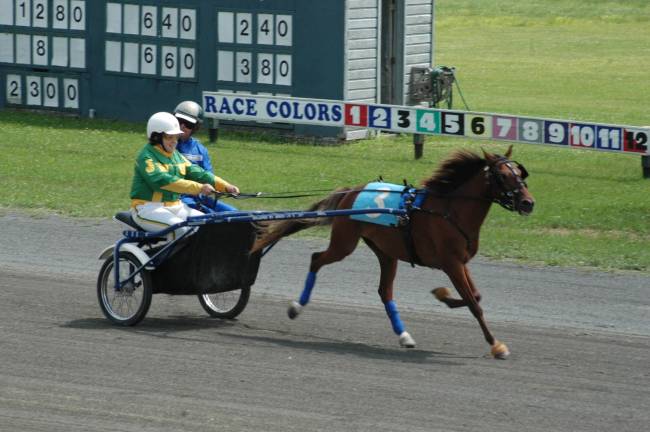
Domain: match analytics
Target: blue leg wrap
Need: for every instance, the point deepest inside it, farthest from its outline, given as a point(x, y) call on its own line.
point(393, 314)
point(309, 285)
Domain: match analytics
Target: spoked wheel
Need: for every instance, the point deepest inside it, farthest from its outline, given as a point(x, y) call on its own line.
point(129, 305)
point(227, 304)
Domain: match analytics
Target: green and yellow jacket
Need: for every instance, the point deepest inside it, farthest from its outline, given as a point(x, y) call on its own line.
point(160, 176)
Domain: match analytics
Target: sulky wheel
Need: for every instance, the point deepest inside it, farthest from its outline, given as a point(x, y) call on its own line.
point(129, 305)
point(227, 304)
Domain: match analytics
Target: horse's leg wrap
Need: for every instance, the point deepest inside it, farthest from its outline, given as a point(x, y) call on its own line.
point(393, 314)
point(309, 285)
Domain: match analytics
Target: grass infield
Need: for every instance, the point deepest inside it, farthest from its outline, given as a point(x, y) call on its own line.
point(583, 60)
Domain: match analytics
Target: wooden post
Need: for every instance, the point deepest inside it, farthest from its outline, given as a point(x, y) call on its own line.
point(213, 130)
point(645, 165)
point(418, 145)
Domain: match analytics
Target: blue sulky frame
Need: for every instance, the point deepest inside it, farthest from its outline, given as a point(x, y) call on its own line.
point(223, 217)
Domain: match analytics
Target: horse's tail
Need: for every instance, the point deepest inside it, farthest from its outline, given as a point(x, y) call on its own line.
point(276, 230)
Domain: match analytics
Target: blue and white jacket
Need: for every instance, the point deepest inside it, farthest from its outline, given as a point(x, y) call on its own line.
point(195, 152)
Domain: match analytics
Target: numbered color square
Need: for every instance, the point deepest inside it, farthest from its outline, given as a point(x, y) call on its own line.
point(379, 117)
point(356, 115)
point(504, 128)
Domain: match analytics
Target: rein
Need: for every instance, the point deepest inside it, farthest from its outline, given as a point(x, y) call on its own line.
point(296, 194)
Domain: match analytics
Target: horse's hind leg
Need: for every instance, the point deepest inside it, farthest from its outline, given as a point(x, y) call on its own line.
point(443, 294)
point(343, 240)
point(388, 266)
point(463, 283)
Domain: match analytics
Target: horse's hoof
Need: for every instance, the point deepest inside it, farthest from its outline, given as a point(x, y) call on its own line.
point(406, 341)
point(441, 294)
point(500, 350)
point(294, 309)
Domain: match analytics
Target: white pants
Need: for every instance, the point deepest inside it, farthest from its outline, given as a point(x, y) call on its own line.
point(154, 216)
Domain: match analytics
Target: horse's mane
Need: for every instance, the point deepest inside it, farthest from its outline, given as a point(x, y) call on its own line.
point(454, 171)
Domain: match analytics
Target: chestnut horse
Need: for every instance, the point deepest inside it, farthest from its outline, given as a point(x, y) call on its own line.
point(443, 232)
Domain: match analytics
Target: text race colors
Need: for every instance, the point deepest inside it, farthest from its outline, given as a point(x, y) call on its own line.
point(417, 120)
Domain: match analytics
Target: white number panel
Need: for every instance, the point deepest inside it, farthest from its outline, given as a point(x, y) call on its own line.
point(23, 49)
point(255, 48)
point(265, 68)
point(70, 93)
point(187, 62)
point(283, 69)
point(244, 66)
point(151, 40)
point(6, 48)
point(187, 24)
point(7, 15)
point(131, 19)
point(225, 65)
point(244, 28)
point(42, 91)
point(169, 61)
point(148, 59)
point(50, 92)
point(265, 27)
point(14, 93)
point(23, 13)
point(149, 21)
point(77, 15)
point(169, 22)
point(225, 27)
point(34, 90)
point(40, 50)
point(39, 13)
point(283, 30)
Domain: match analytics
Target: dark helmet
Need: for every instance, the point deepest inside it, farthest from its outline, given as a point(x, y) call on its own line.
point(189, 111)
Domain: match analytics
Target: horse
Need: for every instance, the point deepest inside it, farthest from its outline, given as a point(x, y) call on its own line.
point(441, 233)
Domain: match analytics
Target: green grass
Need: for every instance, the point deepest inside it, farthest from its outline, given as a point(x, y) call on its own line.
point(583, 60)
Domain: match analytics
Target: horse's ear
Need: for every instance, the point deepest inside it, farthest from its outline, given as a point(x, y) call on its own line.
point(509, 152)
point(487, 156)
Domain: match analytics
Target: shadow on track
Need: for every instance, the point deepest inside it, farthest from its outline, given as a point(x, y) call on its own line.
point(171, 328)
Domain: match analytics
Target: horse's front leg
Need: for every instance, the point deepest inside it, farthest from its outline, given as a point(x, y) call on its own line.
point(443, 294)
point(463, 283)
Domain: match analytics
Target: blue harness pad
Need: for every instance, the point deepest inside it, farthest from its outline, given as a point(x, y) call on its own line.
point(379, 195)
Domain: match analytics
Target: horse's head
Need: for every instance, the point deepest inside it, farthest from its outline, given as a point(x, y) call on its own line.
point(506, 180)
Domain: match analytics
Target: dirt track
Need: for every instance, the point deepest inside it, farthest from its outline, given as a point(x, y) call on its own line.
point(580, 342)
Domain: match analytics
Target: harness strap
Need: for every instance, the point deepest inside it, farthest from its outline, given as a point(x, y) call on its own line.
point(411, 200)
point(447, 216)
point(410, 245)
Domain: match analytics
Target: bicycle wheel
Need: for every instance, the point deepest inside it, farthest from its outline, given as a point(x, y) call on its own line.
point(129, 305)
point(227, 304)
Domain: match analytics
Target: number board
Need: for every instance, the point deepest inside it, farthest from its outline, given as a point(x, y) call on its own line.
point(43, 90)
point(43, 35)
point(124, 59)
point(254, 48)
point(151, 40)
point(410, 119)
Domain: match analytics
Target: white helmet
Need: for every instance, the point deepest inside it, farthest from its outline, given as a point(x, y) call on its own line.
point(163, 122)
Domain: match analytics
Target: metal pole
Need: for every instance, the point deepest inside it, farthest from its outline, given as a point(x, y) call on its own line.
point(418, 145)
point(213, 130)
point(645, 165)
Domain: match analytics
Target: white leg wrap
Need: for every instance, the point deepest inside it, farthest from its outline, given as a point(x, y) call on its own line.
point(294, 309)
point(406, 341)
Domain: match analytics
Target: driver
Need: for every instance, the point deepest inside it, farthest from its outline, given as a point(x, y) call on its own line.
point(190, 117)
point(162, 174)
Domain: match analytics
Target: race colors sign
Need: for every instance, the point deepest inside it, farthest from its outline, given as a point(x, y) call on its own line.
point(430, 121)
